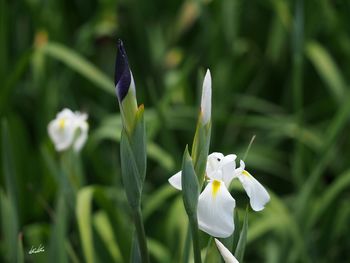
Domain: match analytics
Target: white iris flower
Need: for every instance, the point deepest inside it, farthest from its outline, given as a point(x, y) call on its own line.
point(69, 129)
point(215, 203)
point(225, 253)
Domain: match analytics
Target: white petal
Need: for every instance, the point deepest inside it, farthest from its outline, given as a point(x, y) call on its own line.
point(132, 84)
point(61, 131)
point(65, 113)
point(175, 181)
point(257, 193)
point(80, 117)
point(225, 253)
point(213, 162)
point(215, 210)
point(228, 166)
point(221, 167)
point(206, 98)
point(82, 137)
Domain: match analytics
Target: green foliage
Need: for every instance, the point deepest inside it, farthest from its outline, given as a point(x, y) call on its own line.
point(133, 162)
point(239, 252)
point(190, 185)
point(280, 71)
point(190, 194)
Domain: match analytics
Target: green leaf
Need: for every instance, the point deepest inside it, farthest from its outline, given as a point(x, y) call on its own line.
point(329, 197)
point(158, 250)
point(190, 193)
point(58, 233)
point(239, 253)
point(20, 255)
point(132, 180)
point(8, 165)
point(190, 186)
point(78, 63)
point(157, 199)
point(83, 214)
point(135, 251)
point(327, 69)
point(138, 144)
point(9, 225)
point(111, 128)
point(200, 149)
point(104, 229)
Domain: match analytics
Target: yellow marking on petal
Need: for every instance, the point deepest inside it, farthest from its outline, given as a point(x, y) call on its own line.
point(216, 187)
point(61, 123)
point(246, 173)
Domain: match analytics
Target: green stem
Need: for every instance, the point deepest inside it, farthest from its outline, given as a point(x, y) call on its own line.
point(207, 250)
point(141, 236)
point(297, 82)
point(186, 254)
point(195, 239)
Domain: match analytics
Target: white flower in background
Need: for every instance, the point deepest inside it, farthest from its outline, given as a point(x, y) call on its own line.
point(215, 203)
point(69, 129)
point(225, 253)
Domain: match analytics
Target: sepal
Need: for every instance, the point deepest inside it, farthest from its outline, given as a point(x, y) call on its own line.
point(190, 186)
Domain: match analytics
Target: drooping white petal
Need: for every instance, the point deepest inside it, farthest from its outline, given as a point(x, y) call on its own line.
point(225, 253)
point(257, 193)
point(175, 181)
point(215, 210)
point(240, 169)
point(82, 136)
point(206, 98)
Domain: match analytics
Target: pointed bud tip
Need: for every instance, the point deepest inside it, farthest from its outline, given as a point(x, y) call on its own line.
point(121, 49)
point(206, 98)
point(122, 77)
point(208, 74)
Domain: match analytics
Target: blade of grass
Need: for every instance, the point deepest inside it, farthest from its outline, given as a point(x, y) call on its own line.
point(329, 196)
point(20, 255)
point(297, 81)
point(104, 229)
point(327, 69)
point(83, 214)
point(327, 154)
point(239, 252)
point(9, 226)
point(157, 199)
point(79, 64)
point(58, 233)
point(8, 165)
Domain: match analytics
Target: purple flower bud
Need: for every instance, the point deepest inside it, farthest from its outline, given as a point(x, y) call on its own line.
point(122, 73)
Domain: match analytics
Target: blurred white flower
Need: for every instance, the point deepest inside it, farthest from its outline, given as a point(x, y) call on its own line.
point(69, 129)
point(225, 253)
point(215, 204)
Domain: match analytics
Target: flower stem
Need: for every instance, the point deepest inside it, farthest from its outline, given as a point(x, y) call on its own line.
point(141, 236)
point(187, 247)
point(195, 239)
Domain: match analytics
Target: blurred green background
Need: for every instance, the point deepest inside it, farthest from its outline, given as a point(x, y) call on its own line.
point(280, 71)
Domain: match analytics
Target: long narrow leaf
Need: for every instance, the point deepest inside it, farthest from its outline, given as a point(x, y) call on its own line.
point(79, 64)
